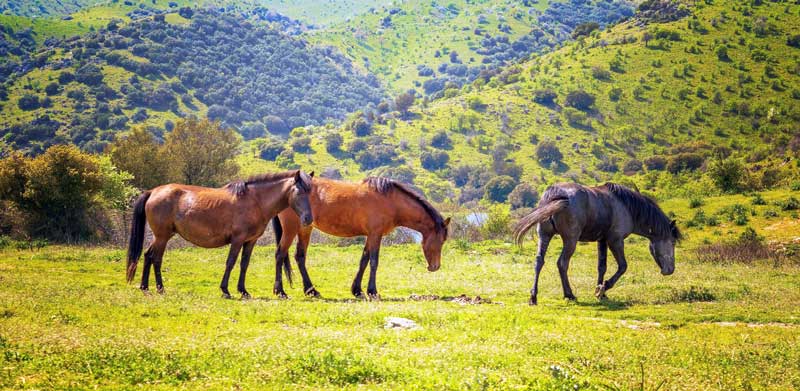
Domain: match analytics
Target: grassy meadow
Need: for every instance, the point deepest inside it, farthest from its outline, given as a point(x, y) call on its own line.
point(68, 320)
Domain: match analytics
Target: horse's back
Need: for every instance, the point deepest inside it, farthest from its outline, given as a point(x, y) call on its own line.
point(592, 214)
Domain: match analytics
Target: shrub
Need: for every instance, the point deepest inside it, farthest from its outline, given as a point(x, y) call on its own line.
point(547, 152)
point(655, 163)
point(333, 142)
point(728, 174)
point(584, 29)
point(441, 140)
point(498, 188)
point(475, 103)
point(523, 196)
point(544, 96)
point(615, 94)
point(65, 78)
point(276, 125)
point(215, 166)
point(434, 160)
point(600, 73)
point(403, 102)
point(52, 89)
point(696, 202)
point(359, 126)
point(576, 118)
point(580, 100)
point(498, 222)
point(747, 248)
point(139, 154)
point(28, 102)
point(794, 41)
point(632, 166)
point(684, 162)
point(790, 203)
point(271, 149)
point(302, 144)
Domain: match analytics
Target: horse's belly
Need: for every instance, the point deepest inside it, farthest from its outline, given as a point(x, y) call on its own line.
point(201, 233)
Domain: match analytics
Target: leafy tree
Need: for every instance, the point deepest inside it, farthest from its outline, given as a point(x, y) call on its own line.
point(688, 161)
point(89, 74)
point(547, 152)
point(655, 163)
point(141, 155)
point(523, 196)
point(56, 191)
point(584, 29)
point(52, 89)
point(434, 160)
point(28, 102)
point(545, 96)
point(441, 140)
point(403, 102)
point(728, 174)
point(271, 149)
point(498, 188)
point(333, 142)
point(276, 125)
point(202, 153)
point(580, 100)
point(302, 144)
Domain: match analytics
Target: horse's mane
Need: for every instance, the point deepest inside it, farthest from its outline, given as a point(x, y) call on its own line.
point(239, 187)
point(645, 211)
point(384, 185)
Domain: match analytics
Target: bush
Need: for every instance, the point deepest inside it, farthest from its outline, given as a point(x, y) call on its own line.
point(302, 144)
point(580, 100)
point(271, 149)
point(684, 162)
point(475, 103)
point(434, 160)
point(215, 166)
point(403, 102)
point(52, 89)
point(139, 154)
point(584, 29)
point(790, 203)
point(333, 142)
point(696, 202)
point(632, 166)
point(523, 196)
point(728, 174)
point(794, 41)
point(655, 163)
point(576, 118)
point(498, 223)
point(547, 152)
point(498, 188)
point(600, 73)
point(276, 125)
point(28, 102)
point(544, 96)
point(441, 140)
point(90, 75)
point(747, 248)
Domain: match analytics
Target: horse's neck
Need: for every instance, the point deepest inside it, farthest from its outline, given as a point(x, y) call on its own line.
point(272, 197)
point(412, 215)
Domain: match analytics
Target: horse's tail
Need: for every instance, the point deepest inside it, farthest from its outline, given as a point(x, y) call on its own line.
point(136, 240)
point(542, 213)
point(287, 266)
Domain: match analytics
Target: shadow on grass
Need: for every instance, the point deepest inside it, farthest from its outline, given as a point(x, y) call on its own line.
point(607, 304)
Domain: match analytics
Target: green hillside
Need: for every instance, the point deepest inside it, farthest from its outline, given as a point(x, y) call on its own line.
point(668, 100)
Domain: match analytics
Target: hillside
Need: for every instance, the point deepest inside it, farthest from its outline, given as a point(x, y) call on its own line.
point(158, 68)
point(662, 99)
point(426, 45)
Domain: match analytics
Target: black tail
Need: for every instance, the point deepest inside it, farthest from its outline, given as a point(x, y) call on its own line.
point(136, 240)
point(541, 213)
point(287, 266)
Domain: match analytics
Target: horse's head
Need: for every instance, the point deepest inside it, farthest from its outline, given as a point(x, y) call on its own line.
point(298, 197)
point(663, 249)
point(432, 243)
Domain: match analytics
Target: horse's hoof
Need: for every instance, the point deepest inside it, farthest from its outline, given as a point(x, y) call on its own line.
point(373, 296)
point(600, 291)
point(312, 292)
point(282, 295)
point(161, 290)
point(359, 295)
point(145, 291)
point(532, 301)
point(246, 296)
point(571, 297)
point(226, 295)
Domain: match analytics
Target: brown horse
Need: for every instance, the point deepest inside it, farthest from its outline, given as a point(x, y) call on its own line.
point(372, 208)
point(236, 214)
point(604, 214)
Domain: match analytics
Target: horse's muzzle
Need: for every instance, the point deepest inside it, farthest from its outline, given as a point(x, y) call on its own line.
point(668, 271)
point(433, 268)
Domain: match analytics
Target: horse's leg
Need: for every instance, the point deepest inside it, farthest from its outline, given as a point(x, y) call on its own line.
point(303, 239)
point(158, 247)
point(148, 261)
point(289, 228)
point(355, 289)
point(544, 242)
point(602, 257)
point(374, 253)
point(563, 265)
point(247, 250)
point(236, 246)
point(281, 256)
point(618, 250)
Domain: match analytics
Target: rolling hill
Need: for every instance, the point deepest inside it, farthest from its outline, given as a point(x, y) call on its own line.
point(653, 101)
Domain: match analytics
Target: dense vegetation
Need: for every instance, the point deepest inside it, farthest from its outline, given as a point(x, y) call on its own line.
point(153, 71)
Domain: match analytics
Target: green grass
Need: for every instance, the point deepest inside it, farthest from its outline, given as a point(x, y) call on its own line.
point(68, 320)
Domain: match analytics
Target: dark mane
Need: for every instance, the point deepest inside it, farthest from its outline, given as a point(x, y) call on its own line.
point(384, 185)
point(239, 187)
point(645, 211)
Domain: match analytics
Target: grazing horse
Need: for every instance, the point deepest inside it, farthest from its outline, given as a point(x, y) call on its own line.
point(606, 214)
point(236, 214)
point(372, 208)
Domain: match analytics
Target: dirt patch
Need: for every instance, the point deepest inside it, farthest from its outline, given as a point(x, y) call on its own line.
point(463, 299)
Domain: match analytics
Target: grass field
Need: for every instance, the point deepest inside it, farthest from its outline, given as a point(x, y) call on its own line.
point(69, 321)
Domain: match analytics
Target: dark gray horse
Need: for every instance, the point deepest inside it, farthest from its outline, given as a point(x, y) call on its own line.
point(604, 214)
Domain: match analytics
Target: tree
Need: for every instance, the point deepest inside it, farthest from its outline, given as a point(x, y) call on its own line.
point(547, 152)
point(584, 29)
point(333, 142)
point(55, 191)
point(271, 149)
point(441, 140)
point(403, 102)
point(52, 89)
point(523, 196)
point(545, 96)
point(728, 174)
point(28, 102)
point(498, 188)
point(434, 160)
point(140, 154)
point(202, 153)
point(580, 100)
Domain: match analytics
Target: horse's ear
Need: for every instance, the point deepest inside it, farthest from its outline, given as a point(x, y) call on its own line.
point(311, 174)
point(446, 222)
point(672, 223)
point(297, 177)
